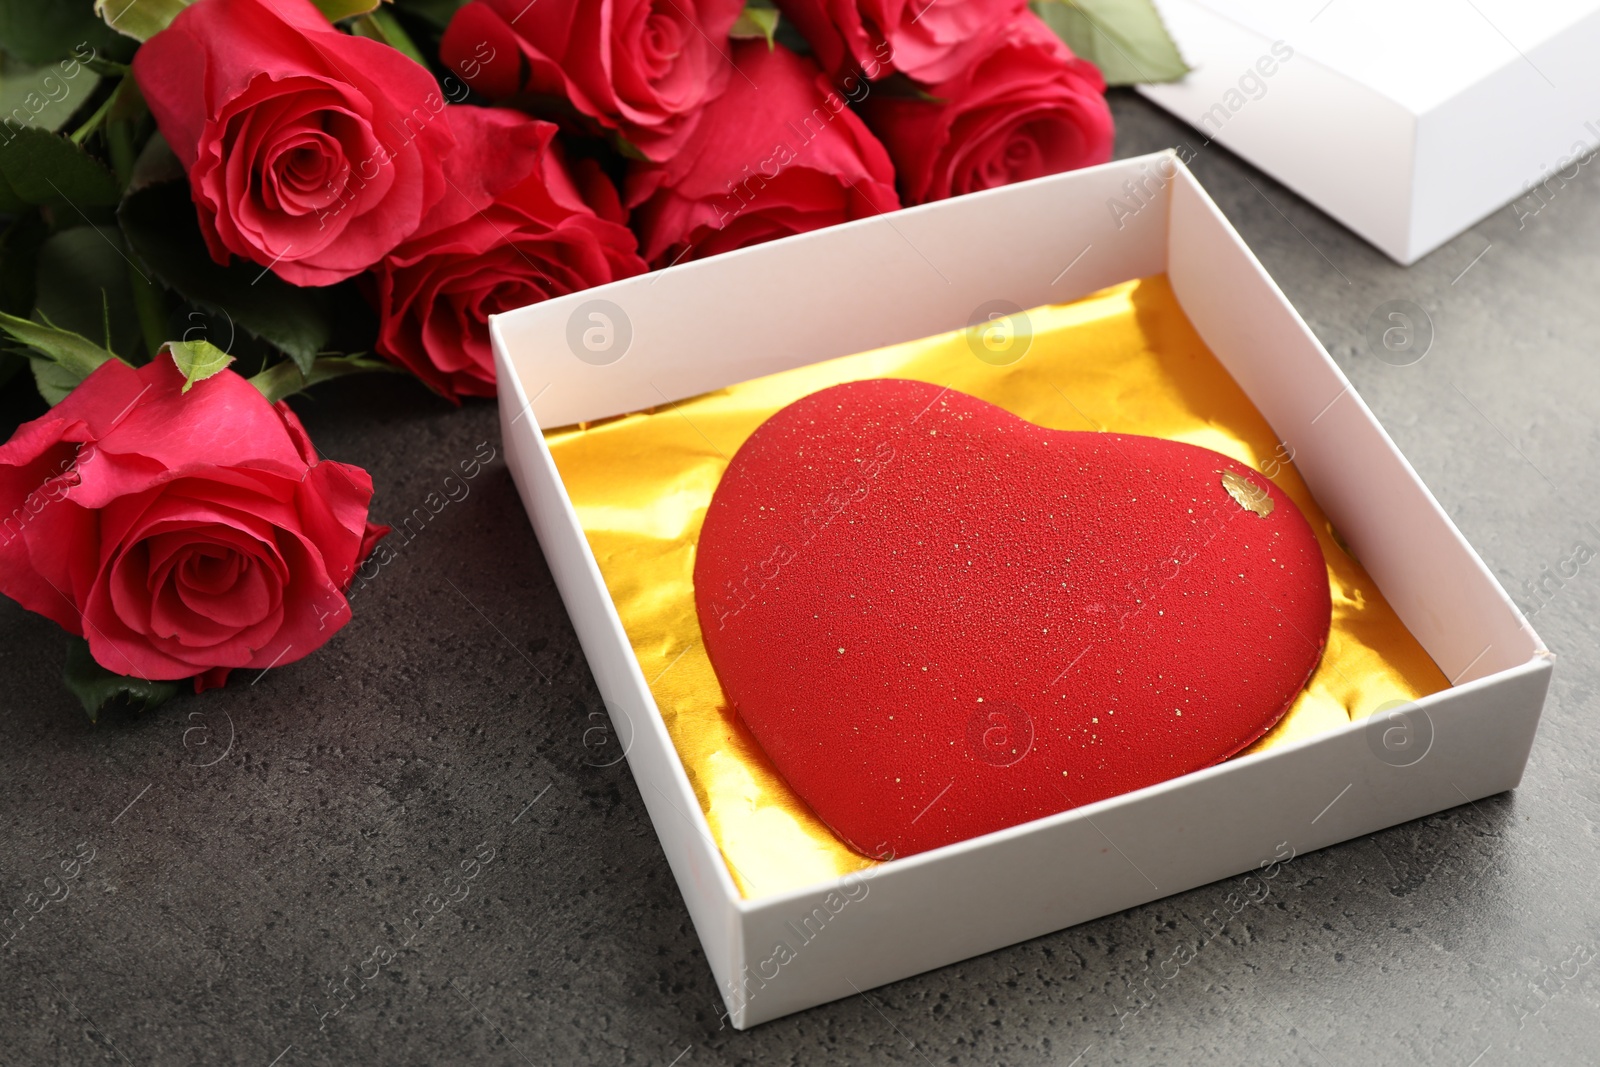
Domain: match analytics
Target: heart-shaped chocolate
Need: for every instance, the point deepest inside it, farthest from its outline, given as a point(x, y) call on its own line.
point(940, 620)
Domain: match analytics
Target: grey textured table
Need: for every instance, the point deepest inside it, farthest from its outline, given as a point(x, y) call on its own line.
point(251, 848)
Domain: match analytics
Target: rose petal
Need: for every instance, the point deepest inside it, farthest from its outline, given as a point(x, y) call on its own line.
point(629, 65)
point(222, 421)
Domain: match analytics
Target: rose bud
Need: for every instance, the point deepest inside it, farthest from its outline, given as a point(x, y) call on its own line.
point(1025, 109)
point(641, 68)
point(779, 153)
point(309, 151)
point(525, 227)
point(181, 534)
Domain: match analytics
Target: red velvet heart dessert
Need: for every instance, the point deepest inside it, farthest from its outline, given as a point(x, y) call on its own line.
point(940, 620)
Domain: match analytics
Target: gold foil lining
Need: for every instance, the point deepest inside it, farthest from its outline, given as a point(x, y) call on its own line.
point(1125, 359)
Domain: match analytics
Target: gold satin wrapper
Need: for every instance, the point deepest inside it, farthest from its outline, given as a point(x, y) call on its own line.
point(1125, 359)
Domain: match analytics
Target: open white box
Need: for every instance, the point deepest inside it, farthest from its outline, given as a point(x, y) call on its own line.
point(922, 271)
point(1408, 122)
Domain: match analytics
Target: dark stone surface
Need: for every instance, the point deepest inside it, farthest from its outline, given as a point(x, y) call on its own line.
point(252, 847)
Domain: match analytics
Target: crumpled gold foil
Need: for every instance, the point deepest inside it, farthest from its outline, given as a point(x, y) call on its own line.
point(1125, 359)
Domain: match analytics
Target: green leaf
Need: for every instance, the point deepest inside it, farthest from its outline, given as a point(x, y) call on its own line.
point(124, 114)
point(383, 26)
point(52, 380)
point(96, 688)
point(337, 10)
point(899, 87)
point(38, 167)
point(139, 19)
point(110, 67)
point(160, 223)
point(435, 13)
point(1126, 39)
point(198, 360)
point(628, 150)
point(45, 96)
point(81, 281)
point(757, 20)
point(43, 31)
point(284, 379)
point(155, 165)
point(124, 104)
point(75, 354)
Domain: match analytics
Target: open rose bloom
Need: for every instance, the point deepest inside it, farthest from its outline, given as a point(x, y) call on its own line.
point(309, 151)
point(521, 226)
point(1024, 108)
point(180, 534)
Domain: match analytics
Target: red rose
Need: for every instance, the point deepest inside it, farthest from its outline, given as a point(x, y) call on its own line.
point(784, 158)
point(494, 248)
point(929, 40)
point(1025, 109)
point(641, 67)
point(308, 150)
point(179, 533)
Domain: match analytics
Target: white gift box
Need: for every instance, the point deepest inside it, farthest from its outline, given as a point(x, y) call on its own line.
point(1408, 122)
point(919, 272)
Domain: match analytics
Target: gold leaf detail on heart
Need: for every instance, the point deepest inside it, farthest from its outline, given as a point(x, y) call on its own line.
point(1247, 494)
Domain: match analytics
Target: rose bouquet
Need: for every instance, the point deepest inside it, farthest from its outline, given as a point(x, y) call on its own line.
point(210, 206)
